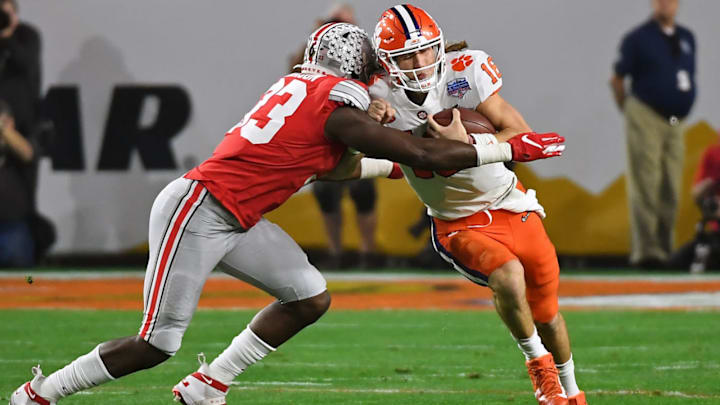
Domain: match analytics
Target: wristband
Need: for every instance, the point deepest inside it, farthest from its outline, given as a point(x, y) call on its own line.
point(370, 167)
point(483, 139)
point(501, 152)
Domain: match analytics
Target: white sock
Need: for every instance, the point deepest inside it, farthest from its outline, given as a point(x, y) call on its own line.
point(85, 372)
point(245, 350)
point(567, 377)
point(531, 347)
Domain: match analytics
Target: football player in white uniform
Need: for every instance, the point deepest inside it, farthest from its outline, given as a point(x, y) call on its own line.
point(484, 222)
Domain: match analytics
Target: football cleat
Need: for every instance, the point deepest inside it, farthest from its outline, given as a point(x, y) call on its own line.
point(578, 399)
point(199, 388)
point(546, 381)
point(26, 395)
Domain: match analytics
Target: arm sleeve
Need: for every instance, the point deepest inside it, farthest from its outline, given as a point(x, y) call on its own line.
point(350, 93)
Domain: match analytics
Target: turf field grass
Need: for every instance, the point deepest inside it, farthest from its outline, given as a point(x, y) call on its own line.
point(390, 357)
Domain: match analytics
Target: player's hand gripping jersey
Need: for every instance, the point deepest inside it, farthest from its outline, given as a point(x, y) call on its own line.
point(279, 146)
point(471, 78)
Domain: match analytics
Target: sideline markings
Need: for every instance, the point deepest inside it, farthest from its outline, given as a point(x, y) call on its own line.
point(449, 275)
point(655, 301)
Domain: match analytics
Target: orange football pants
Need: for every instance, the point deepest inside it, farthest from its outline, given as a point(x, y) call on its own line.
point(476, 251)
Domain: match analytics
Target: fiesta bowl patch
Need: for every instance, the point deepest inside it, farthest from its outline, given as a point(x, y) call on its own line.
point(458, 87)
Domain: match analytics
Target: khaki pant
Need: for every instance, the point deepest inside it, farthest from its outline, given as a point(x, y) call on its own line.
point(655, 151)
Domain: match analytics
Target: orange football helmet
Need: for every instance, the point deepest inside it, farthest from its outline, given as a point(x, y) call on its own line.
point(406, 29)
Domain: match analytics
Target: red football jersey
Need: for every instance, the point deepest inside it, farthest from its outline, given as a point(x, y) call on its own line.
point(279, 146)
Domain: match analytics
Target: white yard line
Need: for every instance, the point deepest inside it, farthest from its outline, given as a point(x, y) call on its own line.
point(665, 300)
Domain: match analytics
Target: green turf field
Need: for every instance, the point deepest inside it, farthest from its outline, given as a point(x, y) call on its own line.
point(390, 357)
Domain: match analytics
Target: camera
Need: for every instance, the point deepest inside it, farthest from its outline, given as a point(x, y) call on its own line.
point(4, 19)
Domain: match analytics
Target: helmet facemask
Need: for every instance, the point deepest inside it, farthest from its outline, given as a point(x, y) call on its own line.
point(408, 78)
point(371, 65)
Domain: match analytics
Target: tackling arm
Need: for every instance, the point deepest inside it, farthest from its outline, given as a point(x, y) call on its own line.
point(355, 129)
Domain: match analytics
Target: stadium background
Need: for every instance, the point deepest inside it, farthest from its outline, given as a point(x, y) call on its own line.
point(189, 70)
point(217, 58)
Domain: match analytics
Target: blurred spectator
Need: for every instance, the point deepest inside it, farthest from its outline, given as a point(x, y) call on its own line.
point(362, 193)
point(704, 251)
point(16, 243)
point(24, 235)
point(340, 12)
point(19, 67)
point(329, 194)
point(427, 258)
point(659, 58)
point(706, 190)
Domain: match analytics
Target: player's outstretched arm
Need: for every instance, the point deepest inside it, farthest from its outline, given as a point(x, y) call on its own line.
point(355, 165)
point(348, 168)
point(526, 145)
point(355, 129)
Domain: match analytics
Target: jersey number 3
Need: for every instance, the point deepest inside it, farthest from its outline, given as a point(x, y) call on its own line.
point(267, 117)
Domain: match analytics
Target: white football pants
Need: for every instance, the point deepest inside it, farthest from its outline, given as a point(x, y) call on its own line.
point(190, 234)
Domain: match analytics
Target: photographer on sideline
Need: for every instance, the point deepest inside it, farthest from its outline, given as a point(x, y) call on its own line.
point(704, 251)
point(17, 248)
point(24, 235)
point(19, 67)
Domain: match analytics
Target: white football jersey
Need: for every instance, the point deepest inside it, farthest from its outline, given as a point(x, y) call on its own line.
point(471, 78)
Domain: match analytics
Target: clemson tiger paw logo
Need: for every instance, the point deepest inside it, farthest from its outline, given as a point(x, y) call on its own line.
point(460, 63)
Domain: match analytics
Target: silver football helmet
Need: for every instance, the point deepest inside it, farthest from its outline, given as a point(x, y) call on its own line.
point(339, 49)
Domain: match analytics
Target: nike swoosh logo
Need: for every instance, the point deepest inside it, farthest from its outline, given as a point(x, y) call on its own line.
point(208, 381)
point(529, 141)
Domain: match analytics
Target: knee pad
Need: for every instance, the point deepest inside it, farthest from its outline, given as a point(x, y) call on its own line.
point(543, 301)
point(167, 341)
point(167, 332)
point(363, 194)
point(543, 280)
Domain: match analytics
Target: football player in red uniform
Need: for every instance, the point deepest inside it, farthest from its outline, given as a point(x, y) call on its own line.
point(484, 222)
point(211, 217)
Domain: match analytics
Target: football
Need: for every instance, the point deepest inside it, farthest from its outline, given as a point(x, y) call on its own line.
point(473, 121)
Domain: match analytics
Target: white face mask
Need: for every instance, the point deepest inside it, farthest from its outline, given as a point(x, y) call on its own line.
point(408, 78)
